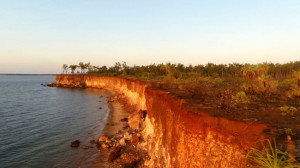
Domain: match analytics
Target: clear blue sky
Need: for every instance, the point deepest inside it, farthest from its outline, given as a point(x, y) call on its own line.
point(38, 36)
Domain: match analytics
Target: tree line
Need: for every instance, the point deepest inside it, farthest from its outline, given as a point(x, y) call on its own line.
point(234, 70)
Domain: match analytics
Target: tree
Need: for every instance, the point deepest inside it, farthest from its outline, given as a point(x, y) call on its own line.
point(125, 68)
point(117, 67)
point(65, 68)
point(73, 68)
point(81, 66)
point(88, 66)
point(103, 69)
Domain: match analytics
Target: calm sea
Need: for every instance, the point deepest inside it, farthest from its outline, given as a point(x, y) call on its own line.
point(38, 123)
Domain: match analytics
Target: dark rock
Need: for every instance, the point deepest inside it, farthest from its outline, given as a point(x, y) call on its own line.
point(52, 84)
point(143, 114)
point(114, 154)
point(75, 143)
point(124, 119)
point(99, 145)
point(125, 127)
point(92, 141)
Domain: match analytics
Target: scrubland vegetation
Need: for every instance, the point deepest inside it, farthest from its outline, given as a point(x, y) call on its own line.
point(229, 86)
point(264, 92)
point(233, 85)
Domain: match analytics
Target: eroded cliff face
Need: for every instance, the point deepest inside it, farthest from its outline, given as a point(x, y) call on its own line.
point(176, 135)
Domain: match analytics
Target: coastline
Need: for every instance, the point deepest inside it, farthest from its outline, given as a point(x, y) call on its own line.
point(170, 130)
point(118, 109)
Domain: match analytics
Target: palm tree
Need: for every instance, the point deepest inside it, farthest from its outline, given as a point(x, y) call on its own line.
point(65, 68)
point(261, 72)
point(81, 66)
point(88, 66)
point(249, 73)
point(73, 68)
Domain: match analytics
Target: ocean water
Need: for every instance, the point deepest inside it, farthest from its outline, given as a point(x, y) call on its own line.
point(38, 123)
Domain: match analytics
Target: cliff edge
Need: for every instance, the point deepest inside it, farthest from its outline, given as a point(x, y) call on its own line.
point(176, 134)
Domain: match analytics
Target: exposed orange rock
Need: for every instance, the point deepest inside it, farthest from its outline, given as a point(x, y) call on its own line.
point(103, 138)
point(134, 139)
point(177, 135)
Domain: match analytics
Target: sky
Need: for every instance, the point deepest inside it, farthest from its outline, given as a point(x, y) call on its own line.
point(38, 36)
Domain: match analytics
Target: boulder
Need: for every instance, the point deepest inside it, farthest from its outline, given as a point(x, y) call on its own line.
point(114, 154)
point(92, 141)
point(134, 121)
point(52, 84)
point(104, 146)
point(102, 138)
point(108, 141)
point(127, 135)
point(75, 143)
point(135, 139)
point(122, 142)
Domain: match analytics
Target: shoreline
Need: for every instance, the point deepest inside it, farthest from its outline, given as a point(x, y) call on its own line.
point(170, 129)
point(119, 109)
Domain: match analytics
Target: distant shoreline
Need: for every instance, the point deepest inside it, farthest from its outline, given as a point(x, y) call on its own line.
point(28, 74)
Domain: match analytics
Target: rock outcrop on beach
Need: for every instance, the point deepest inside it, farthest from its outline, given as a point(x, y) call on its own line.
point(126, 147)
point(75, 143)
point(173, 133)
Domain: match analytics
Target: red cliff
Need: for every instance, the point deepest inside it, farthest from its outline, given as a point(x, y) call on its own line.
point(176, 135)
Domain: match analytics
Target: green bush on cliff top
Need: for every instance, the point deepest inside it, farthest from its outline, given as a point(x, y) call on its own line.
point(269, 157)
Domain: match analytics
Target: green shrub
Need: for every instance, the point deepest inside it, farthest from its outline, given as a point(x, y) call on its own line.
point(269, 156)
point(287, 110)
point(218, 82)
point(287, 84)
point(289, 131)
point(241, 97)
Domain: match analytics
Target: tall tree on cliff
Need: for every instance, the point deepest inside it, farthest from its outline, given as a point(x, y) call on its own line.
point(73, 68)
point(125, 68)
point(81, 66)
point(65, 68)
point(117, 67)
point(88, 66)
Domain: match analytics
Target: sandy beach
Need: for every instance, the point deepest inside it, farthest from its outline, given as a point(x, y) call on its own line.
point(118, 109)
